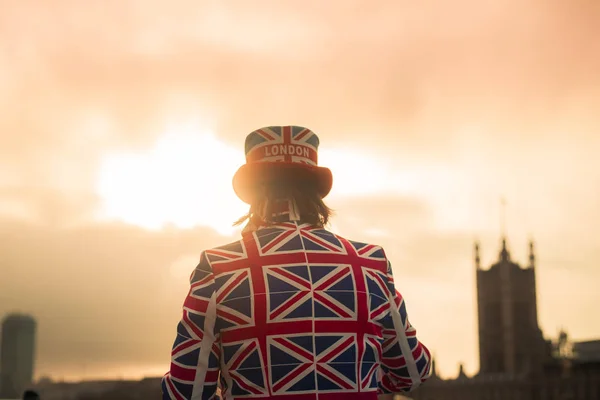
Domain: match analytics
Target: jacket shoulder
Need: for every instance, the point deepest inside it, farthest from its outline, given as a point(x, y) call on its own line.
point(225, 253)
point(363, 249)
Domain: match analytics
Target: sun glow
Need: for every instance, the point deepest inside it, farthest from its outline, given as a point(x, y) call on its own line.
point(356, 173)
point(184, 180)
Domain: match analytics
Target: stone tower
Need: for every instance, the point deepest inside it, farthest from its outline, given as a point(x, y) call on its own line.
point(510, 340)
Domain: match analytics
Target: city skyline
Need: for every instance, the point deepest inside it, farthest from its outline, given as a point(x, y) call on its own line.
point(138, 373)
point(120, 134)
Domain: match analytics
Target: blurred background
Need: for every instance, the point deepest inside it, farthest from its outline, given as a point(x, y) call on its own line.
point(444, 123)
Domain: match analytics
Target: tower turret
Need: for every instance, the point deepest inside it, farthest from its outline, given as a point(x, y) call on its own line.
point(531, 255)
point(504, 254)
point(461, 371)
point(433, 367)
point(477, 258)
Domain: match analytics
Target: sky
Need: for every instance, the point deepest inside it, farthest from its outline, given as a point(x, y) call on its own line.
point(123, 121)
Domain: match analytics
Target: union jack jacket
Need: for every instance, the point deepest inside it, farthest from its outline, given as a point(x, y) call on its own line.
point(294, 312)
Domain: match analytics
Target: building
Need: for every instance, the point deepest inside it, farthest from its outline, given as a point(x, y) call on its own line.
point(17, 355)
point(587, 351)
point(516, 362)
point(510, 340)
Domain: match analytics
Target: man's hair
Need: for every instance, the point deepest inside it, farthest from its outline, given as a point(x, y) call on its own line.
point(309, 203)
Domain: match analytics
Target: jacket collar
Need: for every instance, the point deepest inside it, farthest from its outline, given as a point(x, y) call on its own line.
point(287, 213)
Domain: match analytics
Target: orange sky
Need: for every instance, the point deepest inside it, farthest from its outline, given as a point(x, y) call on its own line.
point(447, 105)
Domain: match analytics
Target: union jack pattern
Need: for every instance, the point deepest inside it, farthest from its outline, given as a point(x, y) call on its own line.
point(282, 143)
point(294, 312)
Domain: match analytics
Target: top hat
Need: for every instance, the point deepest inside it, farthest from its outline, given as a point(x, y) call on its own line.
point(278, 154)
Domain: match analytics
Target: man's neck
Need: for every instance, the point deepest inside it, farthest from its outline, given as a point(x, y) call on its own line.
point(285, 211)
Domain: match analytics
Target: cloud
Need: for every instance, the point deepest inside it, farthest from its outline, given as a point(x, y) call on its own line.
point(76, 89)
point(47, 205)
point(394, 66)
point(98, 291)
point(391, 82)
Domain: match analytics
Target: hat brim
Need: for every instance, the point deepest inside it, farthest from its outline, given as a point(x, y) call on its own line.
point(250, 176)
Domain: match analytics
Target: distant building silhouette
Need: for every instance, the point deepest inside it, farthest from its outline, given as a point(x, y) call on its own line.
point(17, 353)
point(510, 340)
point(587, 351)
point(516, 362)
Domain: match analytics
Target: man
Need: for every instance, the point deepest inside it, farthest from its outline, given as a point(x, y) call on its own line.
point(292, 309)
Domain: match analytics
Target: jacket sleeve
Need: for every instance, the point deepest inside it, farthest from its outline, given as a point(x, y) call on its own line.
point(406, 362)
point(195, 356)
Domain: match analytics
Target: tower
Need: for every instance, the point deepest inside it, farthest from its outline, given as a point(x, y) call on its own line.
point(17, 354)
point(510, 340)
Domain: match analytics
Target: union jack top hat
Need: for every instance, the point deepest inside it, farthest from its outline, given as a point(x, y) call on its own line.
point(280, 153)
